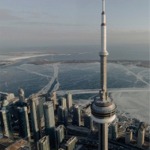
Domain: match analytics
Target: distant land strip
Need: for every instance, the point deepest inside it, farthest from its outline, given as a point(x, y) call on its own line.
point(139, 63)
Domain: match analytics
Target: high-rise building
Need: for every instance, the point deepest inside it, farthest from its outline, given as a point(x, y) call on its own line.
point(7, 96)
point(60, 134)
point(62, 115)
point(62, 102)
point(54, 99)
point(69, 101)
point(103, 108)
point(24, 128)
point(5, 104)
point(49, 121)
point(76, 115)
point(88, 122)
point(113, 131)
point(44, 143)
point(6, 122)
point(49, 114)
point(21, 96)
point(71, 143)
point(128, 136)
point(40, 112)
point(141, 135)
point(34, 118)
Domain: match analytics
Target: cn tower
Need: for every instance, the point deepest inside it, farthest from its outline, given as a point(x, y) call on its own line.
point(103, 109)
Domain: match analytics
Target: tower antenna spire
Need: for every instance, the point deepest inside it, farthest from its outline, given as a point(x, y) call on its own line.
point(103, 55)
point(103, 5)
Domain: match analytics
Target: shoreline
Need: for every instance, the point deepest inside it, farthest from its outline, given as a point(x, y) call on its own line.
point(138, 63)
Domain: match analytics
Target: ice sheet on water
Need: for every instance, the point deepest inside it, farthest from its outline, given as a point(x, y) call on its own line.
point(136, 103)
point(83, 76)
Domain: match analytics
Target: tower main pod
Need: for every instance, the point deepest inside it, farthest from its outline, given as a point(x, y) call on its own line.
point(103, 109)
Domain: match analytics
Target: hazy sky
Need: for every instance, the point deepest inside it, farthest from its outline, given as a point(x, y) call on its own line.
point(45, 23)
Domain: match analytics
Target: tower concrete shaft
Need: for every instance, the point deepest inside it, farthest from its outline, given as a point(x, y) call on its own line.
point(103, 137)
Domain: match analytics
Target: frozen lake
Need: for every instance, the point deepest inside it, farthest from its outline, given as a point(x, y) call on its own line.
point(75, 76)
